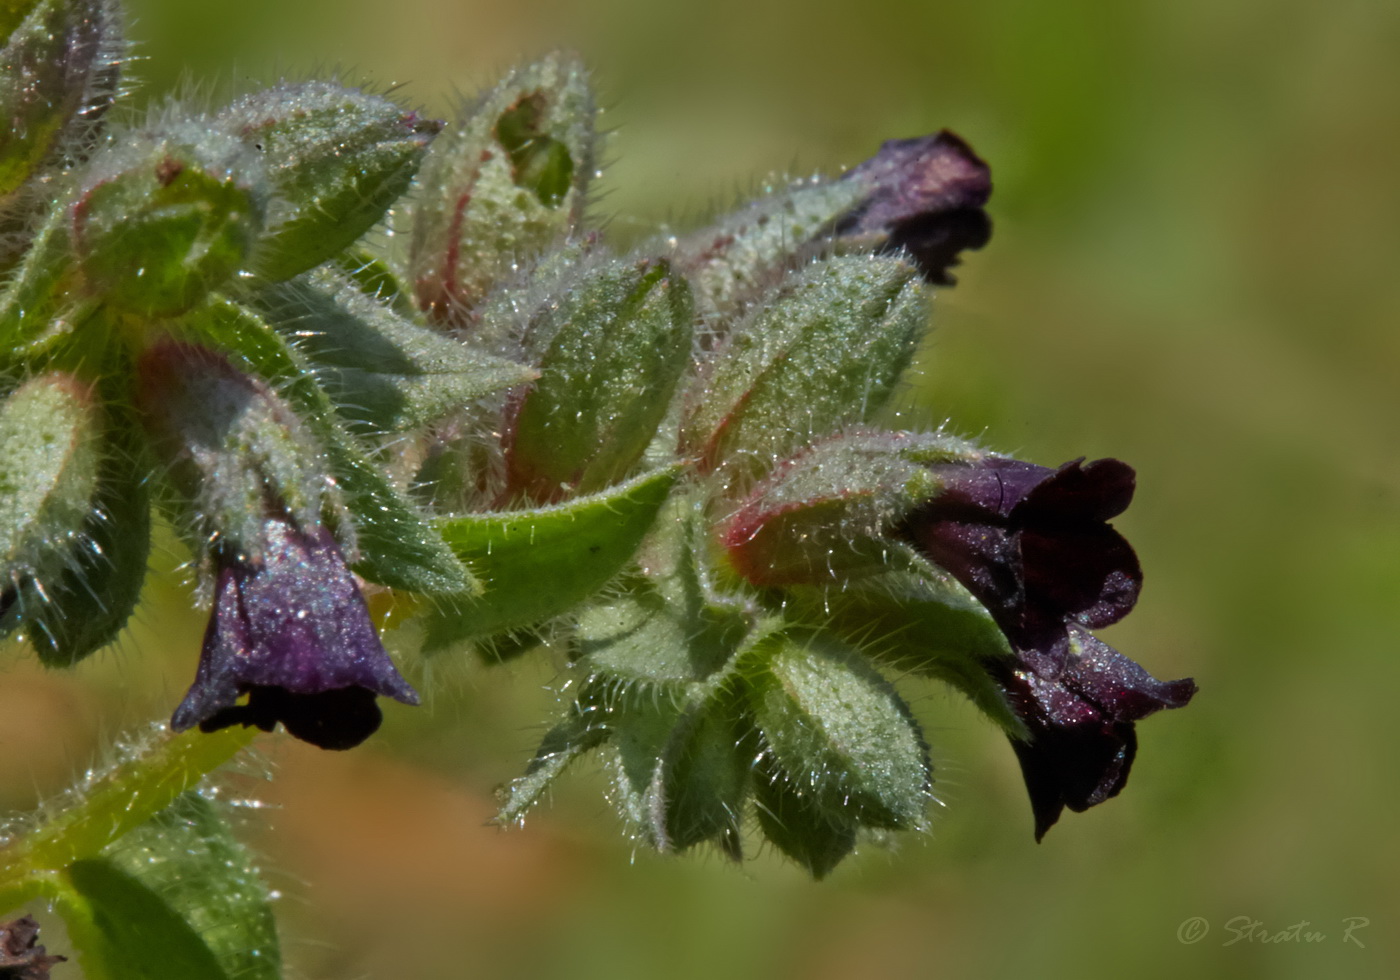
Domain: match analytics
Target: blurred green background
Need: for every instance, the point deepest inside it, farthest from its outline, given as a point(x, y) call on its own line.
point(1197, 223)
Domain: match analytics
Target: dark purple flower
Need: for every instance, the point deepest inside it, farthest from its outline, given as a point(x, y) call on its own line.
point(1082, 741)
point(1034, 546)
point(927, 199)
point(291, 630)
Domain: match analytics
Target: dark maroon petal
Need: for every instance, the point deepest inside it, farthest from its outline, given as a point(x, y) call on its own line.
point(291, 620)
point(338, 719)
point(1079, 704)
point(1087, 573)
point(994, 488)
point(1120, 687)
point(983, 557)
point(1076, 767)
point(1031, 543)
point(1080, 492)
point(927, 198)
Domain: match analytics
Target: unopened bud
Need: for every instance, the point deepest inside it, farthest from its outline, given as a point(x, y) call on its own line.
point(614, 348)
point(170, 222)
point(505, 183)
point(335, 160)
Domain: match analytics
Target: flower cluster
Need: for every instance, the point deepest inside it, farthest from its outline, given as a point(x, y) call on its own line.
point(667, 463)
point(1034, 547)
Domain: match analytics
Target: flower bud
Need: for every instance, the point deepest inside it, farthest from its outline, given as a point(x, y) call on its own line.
point(61, 66)
point(823, 353)
point(335, 160)
point(731, 263)
point(234, 449)
point(167, 221)
point(502, 185)
point(823, 516)
point(924, 197)
point(613, 349)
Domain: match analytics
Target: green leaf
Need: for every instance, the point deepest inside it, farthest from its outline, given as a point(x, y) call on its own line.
point(50, 444)
point(383, 372)
point(919, 618)
point(538, 564)
point(105, 807)
point(613, 347)
point(398, 546)
point(705, 768)
point(176, 898)
point(836, 730)
point(809, 833)
point(501, 185)
point(91, 600)
point(823, 353)
point(336, 158)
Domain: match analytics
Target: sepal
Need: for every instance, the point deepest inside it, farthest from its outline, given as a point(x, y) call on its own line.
point(823, 353)
point(835, 731)
point(335, 159)
point(612, 349)
point(62, 59)
point(167, 217)
point(385, 373)
point(504, 183)
point(822, 517)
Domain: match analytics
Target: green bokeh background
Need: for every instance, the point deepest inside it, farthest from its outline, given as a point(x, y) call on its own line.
point(1197, 223)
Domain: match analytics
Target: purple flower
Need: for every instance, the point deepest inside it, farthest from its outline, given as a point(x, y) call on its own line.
point(1080, 720)
point(291, 630)
point(927, 198)
point(1034, 546)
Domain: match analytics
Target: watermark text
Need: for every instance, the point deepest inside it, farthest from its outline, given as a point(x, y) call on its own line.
point(1348, 931)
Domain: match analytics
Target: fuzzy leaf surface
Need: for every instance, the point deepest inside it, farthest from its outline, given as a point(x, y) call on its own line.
point(398, 546)
point(537, 564)
point(617, 344)
point(176, 898)
point(505, 182)
point(821, 354)
point(836, 731)
point(335, 158)
point(384, 372)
